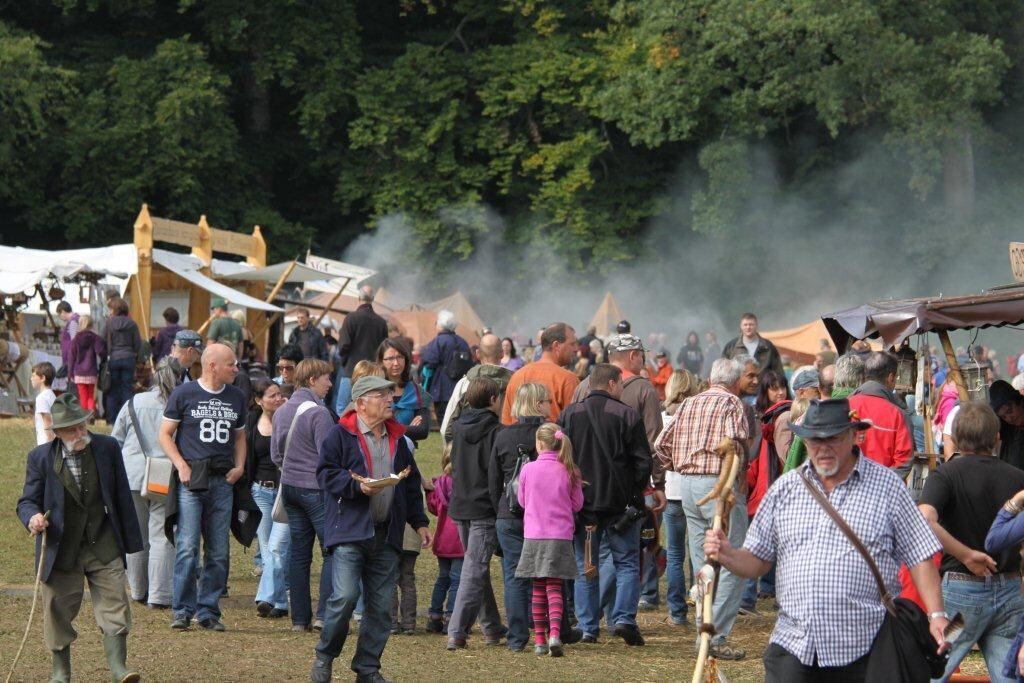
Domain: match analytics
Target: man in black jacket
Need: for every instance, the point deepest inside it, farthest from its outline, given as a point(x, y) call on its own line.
point(76, 490)
point(611, 449)
point(361, 333)
point(472, 509)
point(752, 344)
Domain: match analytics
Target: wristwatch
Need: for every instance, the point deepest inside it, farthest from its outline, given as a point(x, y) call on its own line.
point(937, 615)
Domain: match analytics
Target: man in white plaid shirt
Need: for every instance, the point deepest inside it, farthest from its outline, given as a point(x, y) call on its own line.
point(829, 606)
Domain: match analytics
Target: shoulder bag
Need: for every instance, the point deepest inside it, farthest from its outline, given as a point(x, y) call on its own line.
point(156, 478)
point(279, 514)
point(904, 649)
point(512, 485)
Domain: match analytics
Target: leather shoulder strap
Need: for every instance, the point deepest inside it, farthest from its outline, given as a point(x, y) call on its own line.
point(820, 498)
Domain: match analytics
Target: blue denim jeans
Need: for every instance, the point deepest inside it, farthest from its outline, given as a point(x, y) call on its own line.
point(992, 610)
point(375, 564)
point(274, 540)
point(763, 584)
point(675, 546)
point(447, 585)
point(518, 592)
point(305, 525)
point(122, 376)
point(206, 515)
point(343, 391)
point(625, 552)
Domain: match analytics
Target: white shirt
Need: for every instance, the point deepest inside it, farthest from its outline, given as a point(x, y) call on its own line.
point(44, 402)
point(947, 426)
point(673, 480)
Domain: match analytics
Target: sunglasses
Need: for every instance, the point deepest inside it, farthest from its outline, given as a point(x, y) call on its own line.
point(287, 366)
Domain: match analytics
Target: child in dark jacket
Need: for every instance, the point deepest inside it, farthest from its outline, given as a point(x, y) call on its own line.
point(447, 548)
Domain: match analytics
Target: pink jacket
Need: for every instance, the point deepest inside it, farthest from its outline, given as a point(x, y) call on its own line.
point(446, 536)
point(548, 499)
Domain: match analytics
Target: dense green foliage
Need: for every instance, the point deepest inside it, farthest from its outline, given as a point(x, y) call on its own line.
point(580, 123)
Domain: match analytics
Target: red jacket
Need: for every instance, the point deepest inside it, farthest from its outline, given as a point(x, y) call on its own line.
point(766, 467)
point(446, 538)
point(887, 442)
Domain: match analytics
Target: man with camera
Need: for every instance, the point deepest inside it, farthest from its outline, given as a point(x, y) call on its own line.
point(611, 449)
point(688, 446)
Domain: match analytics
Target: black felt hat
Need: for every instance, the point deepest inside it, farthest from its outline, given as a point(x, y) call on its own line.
point(825, 419)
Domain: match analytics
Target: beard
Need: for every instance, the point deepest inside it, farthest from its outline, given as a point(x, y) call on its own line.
point(826, 471)
point(77, 444)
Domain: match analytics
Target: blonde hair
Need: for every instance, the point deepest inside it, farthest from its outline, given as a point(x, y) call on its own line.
point(239, 316)
point(366, 368)
point(681, 384)
point(311, 369)
point(446, 459)
point(527, 400)
point(85, 322)
point(798, 408)
point(550, 438)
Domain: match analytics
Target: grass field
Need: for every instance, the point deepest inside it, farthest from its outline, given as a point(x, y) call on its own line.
point(255, 649)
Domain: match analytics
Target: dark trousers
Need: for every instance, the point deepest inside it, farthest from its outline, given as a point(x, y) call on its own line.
point(122, 376)
point(781, 666)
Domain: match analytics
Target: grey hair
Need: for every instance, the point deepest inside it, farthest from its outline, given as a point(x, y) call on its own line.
point(446, 320)
point(744, 360)
point(366, 294)
point(166, 377)
point(849, 371)
point(726, 371)
point(879, 365)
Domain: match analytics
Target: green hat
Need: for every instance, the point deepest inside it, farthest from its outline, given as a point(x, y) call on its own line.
point(67, 412)
point(365, 385)
point(218, 303)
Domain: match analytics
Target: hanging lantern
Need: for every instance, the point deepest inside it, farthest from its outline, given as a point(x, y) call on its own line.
point(973, 373)
point(55, 293)
point(906, 369)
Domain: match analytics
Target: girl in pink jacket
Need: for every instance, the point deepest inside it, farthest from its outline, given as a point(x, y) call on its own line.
point(551, 492)
point(447, 547)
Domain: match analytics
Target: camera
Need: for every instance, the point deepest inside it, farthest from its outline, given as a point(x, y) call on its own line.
point(630, 517)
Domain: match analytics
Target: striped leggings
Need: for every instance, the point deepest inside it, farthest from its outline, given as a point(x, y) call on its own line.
point(547, 609)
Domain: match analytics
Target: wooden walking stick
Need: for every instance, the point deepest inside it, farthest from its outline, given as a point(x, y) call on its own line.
point(35, 597)
point(723, 493)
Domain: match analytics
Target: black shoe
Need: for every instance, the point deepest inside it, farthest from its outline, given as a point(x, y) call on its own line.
point(435, 625)
point(588, 639)
point(211, 624)
point(263, 609)
point(629, 633)
point(181, 623)
point(573, 636)
point(321, 671)
point(277, 613)
point(375, 677)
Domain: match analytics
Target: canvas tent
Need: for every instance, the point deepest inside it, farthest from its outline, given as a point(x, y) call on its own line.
point(21, 269)
point(607, 316)
point(464, 313)
point(420, 325)
point(800, 343)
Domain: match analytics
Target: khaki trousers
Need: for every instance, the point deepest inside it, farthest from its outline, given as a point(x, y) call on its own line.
point(62, 598)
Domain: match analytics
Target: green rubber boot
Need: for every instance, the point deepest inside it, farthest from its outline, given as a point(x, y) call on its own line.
point(61, 672)
point(116, 648)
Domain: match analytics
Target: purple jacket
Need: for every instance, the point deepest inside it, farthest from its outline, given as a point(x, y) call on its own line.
point(163, 342)
point(549, 499)
point(66, 335)
point(83, 357)
point(311, 428)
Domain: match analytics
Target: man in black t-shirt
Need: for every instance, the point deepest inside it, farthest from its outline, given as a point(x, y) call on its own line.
point(960, 502)
point(203, 434)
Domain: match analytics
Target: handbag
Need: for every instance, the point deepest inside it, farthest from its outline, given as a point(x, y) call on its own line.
point(156, 478)
point(278, 513)
point(904, 649)
point(103, 382)
point(512, 485)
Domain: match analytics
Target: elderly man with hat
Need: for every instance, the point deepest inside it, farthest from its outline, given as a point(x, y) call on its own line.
point(806, 382)
point(76, 490)
point(830, 609)
point(187, 350)
point(364, 524)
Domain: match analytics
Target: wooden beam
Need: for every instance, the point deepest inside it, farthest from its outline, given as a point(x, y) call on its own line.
point(954, 366)
point(331, 302)
point(144, 321)
point(281, 280)
point(268, 324)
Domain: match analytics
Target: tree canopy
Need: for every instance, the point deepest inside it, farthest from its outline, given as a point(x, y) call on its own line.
point(579, 123)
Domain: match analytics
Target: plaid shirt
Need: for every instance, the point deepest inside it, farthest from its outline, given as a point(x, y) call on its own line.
point(687, 444)
point(829, 605)
point(73, 461)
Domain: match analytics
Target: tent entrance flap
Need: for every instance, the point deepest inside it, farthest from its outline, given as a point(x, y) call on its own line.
point(211, 285)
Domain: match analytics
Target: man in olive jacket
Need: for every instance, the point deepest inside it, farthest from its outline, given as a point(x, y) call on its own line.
point(76, 490)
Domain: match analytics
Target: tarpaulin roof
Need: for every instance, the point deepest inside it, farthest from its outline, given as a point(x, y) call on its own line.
point(21, 269)
point(187, 267)
point(895, 320)
point(300, 273)
point(801, 343)
point(338, 272)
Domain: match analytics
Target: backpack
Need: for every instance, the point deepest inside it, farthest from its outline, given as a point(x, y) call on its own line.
point(459, 364)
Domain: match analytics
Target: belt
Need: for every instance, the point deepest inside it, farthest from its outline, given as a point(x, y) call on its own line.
point(960, 576)
point(268, 484)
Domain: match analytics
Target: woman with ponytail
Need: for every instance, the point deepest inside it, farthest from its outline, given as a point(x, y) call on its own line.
point(551, 493)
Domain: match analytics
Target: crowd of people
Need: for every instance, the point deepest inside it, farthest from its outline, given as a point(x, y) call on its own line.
point(590, 466)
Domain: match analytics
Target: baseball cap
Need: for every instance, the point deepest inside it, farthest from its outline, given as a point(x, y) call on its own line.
point(365, 385)
point(218, 303)
point(188, 339)
point(806, 379)
point(623, 327)
point(625, 342)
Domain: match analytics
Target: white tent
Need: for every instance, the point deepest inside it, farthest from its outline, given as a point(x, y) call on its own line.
point(340, 271)
point(21, 269)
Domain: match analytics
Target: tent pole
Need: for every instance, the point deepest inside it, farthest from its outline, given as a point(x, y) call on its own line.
point(954, 367)
point(331, 303)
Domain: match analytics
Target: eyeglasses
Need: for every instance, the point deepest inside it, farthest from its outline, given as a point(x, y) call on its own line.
point(392, 359)
point(545, 400)
point(285, 366)
point(384, 398)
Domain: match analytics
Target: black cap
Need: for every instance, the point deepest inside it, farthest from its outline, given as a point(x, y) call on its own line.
point(623, 327)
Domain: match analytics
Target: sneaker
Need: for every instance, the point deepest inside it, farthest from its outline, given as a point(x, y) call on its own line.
point(555, 647)
point(321, 671)
point(629, 633)
point(456, 644)
point(540, 650)
point(263, 609)
point(277, 613)
point(435, 625)
point(181, 623)
point(301, 628)
point(645, 606)
point(726, 652)
point(318, 625)
point(257, 571)
point(395, 629)
point(212, 624)
point(682, 621)
point(588, 639)
point(749, 611)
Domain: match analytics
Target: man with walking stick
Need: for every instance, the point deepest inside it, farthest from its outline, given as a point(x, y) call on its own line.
point(79, 479)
